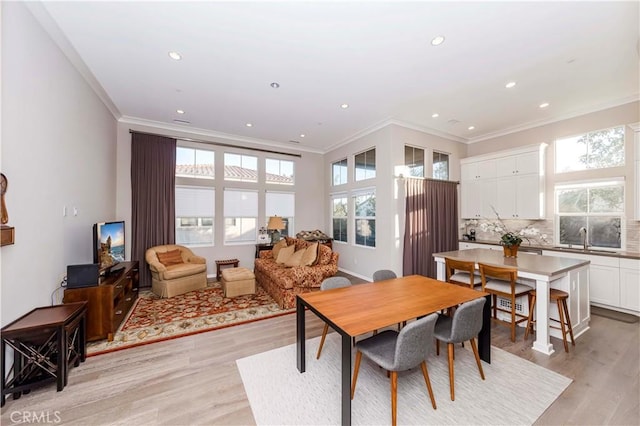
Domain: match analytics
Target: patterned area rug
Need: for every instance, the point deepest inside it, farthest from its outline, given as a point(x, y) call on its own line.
point(153, 319)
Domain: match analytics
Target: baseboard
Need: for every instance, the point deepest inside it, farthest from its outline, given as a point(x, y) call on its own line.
point(362, 277)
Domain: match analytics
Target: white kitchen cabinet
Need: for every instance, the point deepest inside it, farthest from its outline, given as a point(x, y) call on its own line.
point(630, 284)
point(519, 164)
point(471, 245)
point(614, 282)
point(604, 287)
point(511, 182)
point(521, 197)
point(482, 169)
point(480, 198)
point(478, 190)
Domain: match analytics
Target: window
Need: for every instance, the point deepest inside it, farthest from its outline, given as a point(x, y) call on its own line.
point(339, 217)
point(440, 165)
point(195, 209)
point(365, 218)
point(339, 172)
point(595, 150)
point(196, 163)
point(239, 167)
point(365, 165)
point(414, 160)
point(281, 204)
point(596, 206)
point(279, 171)
point(240, 215)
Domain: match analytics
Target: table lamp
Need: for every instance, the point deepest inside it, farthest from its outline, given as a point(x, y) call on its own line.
point(275, 225)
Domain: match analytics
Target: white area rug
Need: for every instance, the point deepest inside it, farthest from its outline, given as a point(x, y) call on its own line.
point(515, 392)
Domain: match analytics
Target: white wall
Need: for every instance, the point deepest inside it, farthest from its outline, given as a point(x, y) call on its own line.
point(58, 149)
point(310, 196)
point(389, 143)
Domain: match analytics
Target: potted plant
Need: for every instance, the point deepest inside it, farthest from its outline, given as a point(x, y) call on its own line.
point(510, 243)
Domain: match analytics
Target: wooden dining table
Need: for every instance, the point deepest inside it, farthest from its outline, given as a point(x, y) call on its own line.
point(362, 308)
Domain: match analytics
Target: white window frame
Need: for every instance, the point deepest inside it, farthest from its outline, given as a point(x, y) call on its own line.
point(342, 177)
point(243, 159)
point(356, 217)
point(558, 153)
point(411, 168)
point(197, 209)
point(368, 173)
point(233, 210)
point(340, 196)
point(283, 204)
point(280, 166)
point(589, 185)
point(433, 164)
point(195, 162)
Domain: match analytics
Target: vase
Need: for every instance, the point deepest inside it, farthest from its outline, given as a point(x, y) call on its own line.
point(510, 251)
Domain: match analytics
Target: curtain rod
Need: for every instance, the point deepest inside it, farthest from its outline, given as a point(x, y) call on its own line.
point(425, 178)
point(217, 143)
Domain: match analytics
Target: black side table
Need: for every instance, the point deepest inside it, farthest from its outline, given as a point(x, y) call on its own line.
point(45, 343)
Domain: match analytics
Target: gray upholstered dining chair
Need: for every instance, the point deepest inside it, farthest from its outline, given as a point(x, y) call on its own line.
point(399, 351)
point(328, 284)
point(384, 274)
point(465, 324)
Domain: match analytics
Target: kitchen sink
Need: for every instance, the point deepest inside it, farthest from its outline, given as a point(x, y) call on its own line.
point(587, 251)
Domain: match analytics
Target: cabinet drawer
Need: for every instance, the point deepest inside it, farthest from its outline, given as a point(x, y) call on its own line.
point(122, 308)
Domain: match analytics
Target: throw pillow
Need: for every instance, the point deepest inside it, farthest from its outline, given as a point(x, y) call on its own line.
point(295, 259)
point(277, 247)
point(171, 257)
point(310, 255)
point(285, 254)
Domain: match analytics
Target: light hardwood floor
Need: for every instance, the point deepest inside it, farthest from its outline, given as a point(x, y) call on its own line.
point(194, 380)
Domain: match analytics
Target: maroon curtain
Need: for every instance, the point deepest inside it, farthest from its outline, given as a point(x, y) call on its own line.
point(153, 182)
point(431, 223)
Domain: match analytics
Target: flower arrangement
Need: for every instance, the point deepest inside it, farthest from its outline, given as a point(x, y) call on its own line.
point(508, 237)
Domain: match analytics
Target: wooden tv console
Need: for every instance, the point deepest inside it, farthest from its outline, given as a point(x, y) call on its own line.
point(109, 301)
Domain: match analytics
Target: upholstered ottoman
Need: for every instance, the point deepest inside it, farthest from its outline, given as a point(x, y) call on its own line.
point(238, 281)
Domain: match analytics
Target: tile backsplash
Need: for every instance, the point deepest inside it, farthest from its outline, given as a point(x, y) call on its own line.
point(545, 228)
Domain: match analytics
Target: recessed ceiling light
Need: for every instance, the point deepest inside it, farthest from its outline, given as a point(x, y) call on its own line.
point(302, 135)
point(179, 111)
point(175, 55)
point(471, 127)
point(249, 125)
point(510, 84)
point(544, 105)
point(437, 40)
point(344, 106)
point(435, 115)
point(275, 85)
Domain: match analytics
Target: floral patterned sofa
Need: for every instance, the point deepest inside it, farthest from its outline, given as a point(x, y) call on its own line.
point(284, 283)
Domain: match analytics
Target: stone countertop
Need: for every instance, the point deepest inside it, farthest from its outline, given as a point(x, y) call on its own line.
point(525, 262)
point(619, 254)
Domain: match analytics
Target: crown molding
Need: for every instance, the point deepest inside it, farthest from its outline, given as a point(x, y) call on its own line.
point(43, 17)
point(178, 131)
point(573, 114)
point(391, 121)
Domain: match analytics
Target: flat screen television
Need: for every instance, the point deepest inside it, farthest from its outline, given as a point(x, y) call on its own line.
point(108, 243)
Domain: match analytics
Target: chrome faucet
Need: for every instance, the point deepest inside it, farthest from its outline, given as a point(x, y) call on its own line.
point(583, 231)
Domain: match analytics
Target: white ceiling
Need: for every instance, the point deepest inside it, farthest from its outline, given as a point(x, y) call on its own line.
point(375, 56)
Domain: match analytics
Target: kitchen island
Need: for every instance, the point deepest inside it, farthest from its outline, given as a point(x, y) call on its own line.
point(543, 272)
